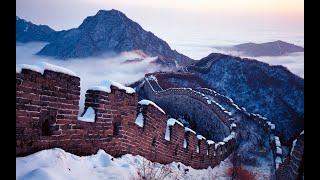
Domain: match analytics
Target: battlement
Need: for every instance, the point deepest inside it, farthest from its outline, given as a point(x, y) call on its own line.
point(47, 107)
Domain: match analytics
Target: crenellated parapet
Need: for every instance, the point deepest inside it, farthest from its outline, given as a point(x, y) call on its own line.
point(47, 100)
point(202, 110)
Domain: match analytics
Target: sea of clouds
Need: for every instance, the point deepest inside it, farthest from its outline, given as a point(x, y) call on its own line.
point(93, 71)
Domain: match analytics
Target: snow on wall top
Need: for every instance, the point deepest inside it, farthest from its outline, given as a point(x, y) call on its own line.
point(233, 125)
point(231, 136)
point(210, 142)
point(190, 130)
point(152, 77)
point(148, 102)
point(172, 121)
point(279, 150)
point(293, 145)
point(200, 137)
point(139, 120)
point(89, 115)
point(277, 140)
point(106, 87)
point(42, 66)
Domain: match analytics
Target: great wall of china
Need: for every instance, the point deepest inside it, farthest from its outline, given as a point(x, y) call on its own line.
point(47, 108)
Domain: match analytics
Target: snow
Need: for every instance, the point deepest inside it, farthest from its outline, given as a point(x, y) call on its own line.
point(277, 140)
point(219, 105)
point(152, 77)
point(198, 149)
point(228, 138)
point(219, 144)
point(209, 101)
point(55, 163)
point(278, 161)
point(172, 121)
point(185, 144)
point(148, 102)
point(106, 87)
point(100, 88)
point(42, 66)
point(233, 125)
point(237, 107)
point(216, 146)
point(19, 68)
point(293, 145)
point(200, 137)
point(186, 129)
point(139, 120)
point(279, 150)
point(210, 142)
point(272, 126)
point(167, 134)
point(89, 115)
point(302, 132)
point(228, 112)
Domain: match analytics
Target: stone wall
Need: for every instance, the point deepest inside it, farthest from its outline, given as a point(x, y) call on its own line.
point(292, 167)
point(181, 101)
point(47, 107)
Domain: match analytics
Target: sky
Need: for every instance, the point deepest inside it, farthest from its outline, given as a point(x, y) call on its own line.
point(73, 11)
point(177, 21)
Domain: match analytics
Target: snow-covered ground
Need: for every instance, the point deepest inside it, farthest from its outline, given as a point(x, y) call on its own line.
point(58, 164)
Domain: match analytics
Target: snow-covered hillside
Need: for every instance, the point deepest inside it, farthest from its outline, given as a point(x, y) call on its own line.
point(58, 164)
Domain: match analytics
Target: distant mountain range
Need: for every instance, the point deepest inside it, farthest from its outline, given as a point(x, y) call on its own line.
point(272, 91)
point(275, 48)
point(107, 31)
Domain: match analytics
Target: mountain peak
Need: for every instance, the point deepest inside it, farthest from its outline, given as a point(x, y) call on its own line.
point(103, 11)
point(111, 12)
point(111, 31)
point(105, 17)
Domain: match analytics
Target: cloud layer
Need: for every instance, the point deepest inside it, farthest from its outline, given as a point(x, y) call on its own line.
point(93, 71)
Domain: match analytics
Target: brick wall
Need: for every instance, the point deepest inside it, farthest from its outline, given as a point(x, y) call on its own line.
point(47, 107)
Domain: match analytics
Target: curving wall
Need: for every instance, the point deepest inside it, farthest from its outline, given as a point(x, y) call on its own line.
point(180, 101)
point(47, 106)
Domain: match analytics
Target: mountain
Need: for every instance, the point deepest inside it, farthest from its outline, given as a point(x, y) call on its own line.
point(275, 48)
point(271, 91)
point(111, 31)
point(27, 32)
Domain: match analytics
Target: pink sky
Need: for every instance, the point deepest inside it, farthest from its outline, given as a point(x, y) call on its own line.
point(248, 11)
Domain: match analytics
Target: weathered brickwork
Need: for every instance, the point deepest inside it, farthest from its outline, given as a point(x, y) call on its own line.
point(47, 107)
